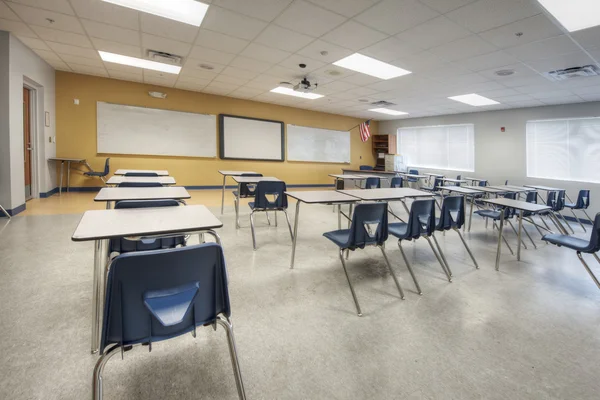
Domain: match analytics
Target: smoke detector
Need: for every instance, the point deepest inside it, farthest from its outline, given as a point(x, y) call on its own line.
point(505, 72)
point(165, 58)
point(572, 73)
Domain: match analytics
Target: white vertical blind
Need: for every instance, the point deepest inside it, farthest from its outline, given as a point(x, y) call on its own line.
point(447, 147)
point(564, 149)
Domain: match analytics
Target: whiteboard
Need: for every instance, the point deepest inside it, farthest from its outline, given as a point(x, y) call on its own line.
point(150, 131)
point(251, 139)
point(317, 145)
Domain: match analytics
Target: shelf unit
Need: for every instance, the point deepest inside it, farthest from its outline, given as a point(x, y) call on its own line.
point(383, 144)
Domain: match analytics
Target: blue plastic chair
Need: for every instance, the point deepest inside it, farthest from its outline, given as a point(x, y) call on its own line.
point(141, 174)
point(369, 228)
point(246, 189)
point(373, 182)
point(396, 182)
point(556, 200)
point(140, 184)
point(452, 216)
point(483, 183)
point(365, 168)
point(100, 174)
point(531, 197)
point(413, 172)
point(495, 215)
point(582, 203)
point(580, 246)
point(269, 196)
point(421, 223)
point(458, 177)
point(437, 182)
point(158, 295)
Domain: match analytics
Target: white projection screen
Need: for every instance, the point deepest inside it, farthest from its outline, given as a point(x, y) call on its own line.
point(245, 138)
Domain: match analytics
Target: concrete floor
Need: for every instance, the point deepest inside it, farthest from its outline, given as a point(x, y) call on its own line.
point(529, 331)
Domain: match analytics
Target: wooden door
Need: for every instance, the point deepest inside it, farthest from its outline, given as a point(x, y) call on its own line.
point(27, 140)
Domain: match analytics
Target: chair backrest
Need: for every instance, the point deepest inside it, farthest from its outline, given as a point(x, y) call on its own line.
point(452, 214)
point(373, 182)
point(396, 182)
point(510, 212)
point(583, 199)
point(437, 182)
point(531, 197)
point(270, 195)
point(483, 183)
point(141, 174)
point(365, 168)
point(594, 245)
point(413, 172)
point(247, 189)
point(556, 200)
point(107, 166)
point(123, 245)
point(421, 219)
point(140, 184)
point(157, 295)
point(506, 182)
point(458, 177)
point(369, 225)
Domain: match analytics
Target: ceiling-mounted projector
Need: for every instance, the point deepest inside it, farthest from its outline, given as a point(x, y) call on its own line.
point(305, 86)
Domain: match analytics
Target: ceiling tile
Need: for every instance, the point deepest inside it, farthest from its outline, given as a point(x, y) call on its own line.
point(418, 62)
point(54, 35)
point(588, 38)
point(231, 80)
point(264, 53)
point(492, 94)
point(230, 23)
point(533, 29)
point(34, 44)
point(59, 65)
point(250, 64)
point(36, 16)
point(590, 97)
point(191, 72)
point(6, 13)
point(221, 42)
point(192, 63)
point(117, 48)
point(210, 55)
point(595, 89)
point(61, 48)
point(546, 48)
point(151, 42)
point(112, 33)
point(308, 19)
point(283, 39)
point(488, 61)
point(336, 87)
point(468, 47)
point(527, 103)
point(168, 28)
point(354, 36)
point(61, 6)
point(334, 52)
point(263, 83)
point(226, 87)
point(195, 81)
point(347, 8)
point(17, 28)
point(488, 14)
point(434, 32)
point(86, 69)
point(279, 72)
point(570, 60)
point(246, 92)
point(158, 80)
point(107, 13)
point(90, 62)
point(47, 54)
point(390, 49)
point(265, 10)
point(360, 79)
point(545, 93)
point(521, 71)
point(518, 81)
point(240, 73)
point(332, 72)
point(294, 60)
point(562, 100)
point(126, 76)
point(189, 86)
point(444, 6)
point(394, 16)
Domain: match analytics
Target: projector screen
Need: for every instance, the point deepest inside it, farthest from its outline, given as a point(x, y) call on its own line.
point(245, 138)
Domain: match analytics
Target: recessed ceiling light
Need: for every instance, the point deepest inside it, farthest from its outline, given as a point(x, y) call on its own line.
point(139, 62)
point(388, 111)
point(206, 66)
point(474, 100)
point(370, 66)
point(505, 72)
point(187, 11)
point(574, 15)
point(292, 92)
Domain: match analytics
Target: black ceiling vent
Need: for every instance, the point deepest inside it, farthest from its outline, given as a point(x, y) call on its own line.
point(383, 103)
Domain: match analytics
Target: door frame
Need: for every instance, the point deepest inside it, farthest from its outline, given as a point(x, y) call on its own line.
point(33, 131)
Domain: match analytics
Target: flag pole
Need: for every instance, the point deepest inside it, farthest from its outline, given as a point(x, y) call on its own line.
point(369, 120)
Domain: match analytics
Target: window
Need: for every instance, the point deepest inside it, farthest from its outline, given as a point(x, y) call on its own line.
point(564, 149)
point(448, 147)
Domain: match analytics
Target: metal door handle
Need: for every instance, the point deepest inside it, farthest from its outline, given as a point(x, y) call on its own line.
point(30, 148)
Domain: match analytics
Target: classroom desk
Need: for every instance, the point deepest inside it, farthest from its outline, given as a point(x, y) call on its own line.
point(512, 189)
point(459, 181)
point(475, 180)
point(465, 192)
point(385, 194)
point(548, 189)
point(143, 193)
point(163, 180)
point(486, 189)
point(341, 177)
point(62, 164)
point(225, 175)
point(517, 205)
point(159, 172)
point(247, 179)
point(318, 197)
point(101, 225)
point(411, 176)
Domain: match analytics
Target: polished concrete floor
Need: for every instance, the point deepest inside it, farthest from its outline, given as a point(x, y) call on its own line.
point(529, 331)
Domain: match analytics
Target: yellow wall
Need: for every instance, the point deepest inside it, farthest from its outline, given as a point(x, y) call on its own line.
point(76, 131)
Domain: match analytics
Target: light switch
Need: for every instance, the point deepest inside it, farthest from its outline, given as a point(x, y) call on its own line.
point(76, 102)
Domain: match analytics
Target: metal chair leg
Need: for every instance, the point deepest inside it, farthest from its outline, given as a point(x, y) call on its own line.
point(268, 219)
point(438, 258)
point(578, 220)
point(287, 218)
point(596, 257)
point(350, 284)
point(392, 273)
point(437, 244)
point(5, 212)
point(412, 274)
point(529, 236)
point(237, 373)
point(545, 224)
point(588, 269)
point(275, 212)
point(587, 216)
point(467, 247)
point(516, 233)
point(99, 368)
point(566, 222)
point(252, 229)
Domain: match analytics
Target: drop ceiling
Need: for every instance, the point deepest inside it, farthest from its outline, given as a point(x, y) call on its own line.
point(453, 47)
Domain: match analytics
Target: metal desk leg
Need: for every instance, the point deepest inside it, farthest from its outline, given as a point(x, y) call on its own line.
point(96, 295)
point(295, 233)
point(5, 212)
point(237, 207)
point(223, 194)
point(62, 165)
point(68, 175)
point(471, 212)
point(339, 207)
point(519, 235)
point(500, 239)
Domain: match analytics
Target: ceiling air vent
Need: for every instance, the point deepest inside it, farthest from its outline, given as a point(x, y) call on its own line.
point(572, 73)
point(383, 103)
point(165, 58)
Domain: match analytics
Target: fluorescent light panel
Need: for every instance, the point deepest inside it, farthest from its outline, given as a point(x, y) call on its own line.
point(187, 11)
point(388, 111)
point(474, 100)
point(139, 62)
point(292, 92)
point(574, 15)
point(370, 66)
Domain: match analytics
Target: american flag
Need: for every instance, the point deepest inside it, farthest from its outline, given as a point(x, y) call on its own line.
point(365, 133)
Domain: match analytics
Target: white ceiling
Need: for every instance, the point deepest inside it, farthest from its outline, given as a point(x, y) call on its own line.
point(453, 47)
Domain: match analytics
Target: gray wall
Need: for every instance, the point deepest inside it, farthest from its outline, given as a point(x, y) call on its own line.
point(4, 124)
point(500, 156)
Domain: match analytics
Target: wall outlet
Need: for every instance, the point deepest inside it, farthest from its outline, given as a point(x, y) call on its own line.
point(49, 139)
point(76, 102)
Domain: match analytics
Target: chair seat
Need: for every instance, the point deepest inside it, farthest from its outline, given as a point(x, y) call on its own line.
point(235, 194)
point(570, 205)
point(94, 173)
point(567, 241)
point(339, 237)
point(398, 229)
point(489, 213)
point(428, 188)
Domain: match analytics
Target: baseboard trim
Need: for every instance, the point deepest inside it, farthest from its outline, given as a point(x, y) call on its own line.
point(584, 220)
point(45, 195)
point(13, 211)
point(202, 187)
